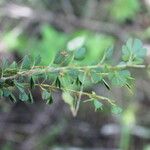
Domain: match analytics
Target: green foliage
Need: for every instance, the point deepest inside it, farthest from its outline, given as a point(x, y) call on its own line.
point(7, 146)
point(11, 39)
point(133, 51)
point(116, 110)
point(23, 96)
point(30, 97)
point(70, 77)
point(32, 82)
point(97, 104)
point(12, 98)
point(95, 47)
point(47, 96)
point(80, 54)
point(45, 48)
point(67, 97)
point(119, 78)
point(147, 147)
point(26, 63)
point(63, 58)
point(124, 9)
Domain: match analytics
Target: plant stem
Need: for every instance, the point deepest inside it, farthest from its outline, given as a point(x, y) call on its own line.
point(46, 69)
point(112, 102)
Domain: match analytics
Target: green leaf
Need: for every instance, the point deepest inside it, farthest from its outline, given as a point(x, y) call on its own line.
point(116, 110)
point(97, 104)
point(6, 92)
point(49, 100)
point(67, 97)
point(80, 54)
point(119, 78)
point(63, 58)
point(78, 82)
point(20, 86)
point(26, 62)
point(32, 82)
point(133, 51)
point(95, 77)
point(1, 93)
point(13, 65)
point(46, 95)
point(12, 98)
point(76, 43)
point(2, 82)
point(30, 97)
point(23, 96)
point(4, 63)
point(37, 60)
point(73, 73)
point(126, 53)
point(109, 52)
point(1, 72)
point(57, 82)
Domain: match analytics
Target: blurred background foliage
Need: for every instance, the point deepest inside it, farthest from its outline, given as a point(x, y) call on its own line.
point(122, 10)
point(43, 28)
point(52, 41)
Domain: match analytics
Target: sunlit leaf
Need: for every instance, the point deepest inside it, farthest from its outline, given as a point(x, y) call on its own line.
point(68, 98)
point(76, 43)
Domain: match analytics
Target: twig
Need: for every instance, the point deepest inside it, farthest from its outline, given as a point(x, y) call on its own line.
point(112, 102)
point(46, 69)
point(80, 94)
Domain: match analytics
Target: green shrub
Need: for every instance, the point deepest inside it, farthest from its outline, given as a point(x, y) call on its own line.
point(71, 78)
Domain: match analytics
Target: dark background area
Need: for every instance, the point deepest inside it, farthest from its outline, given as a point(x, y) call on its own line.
point(45, 27)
